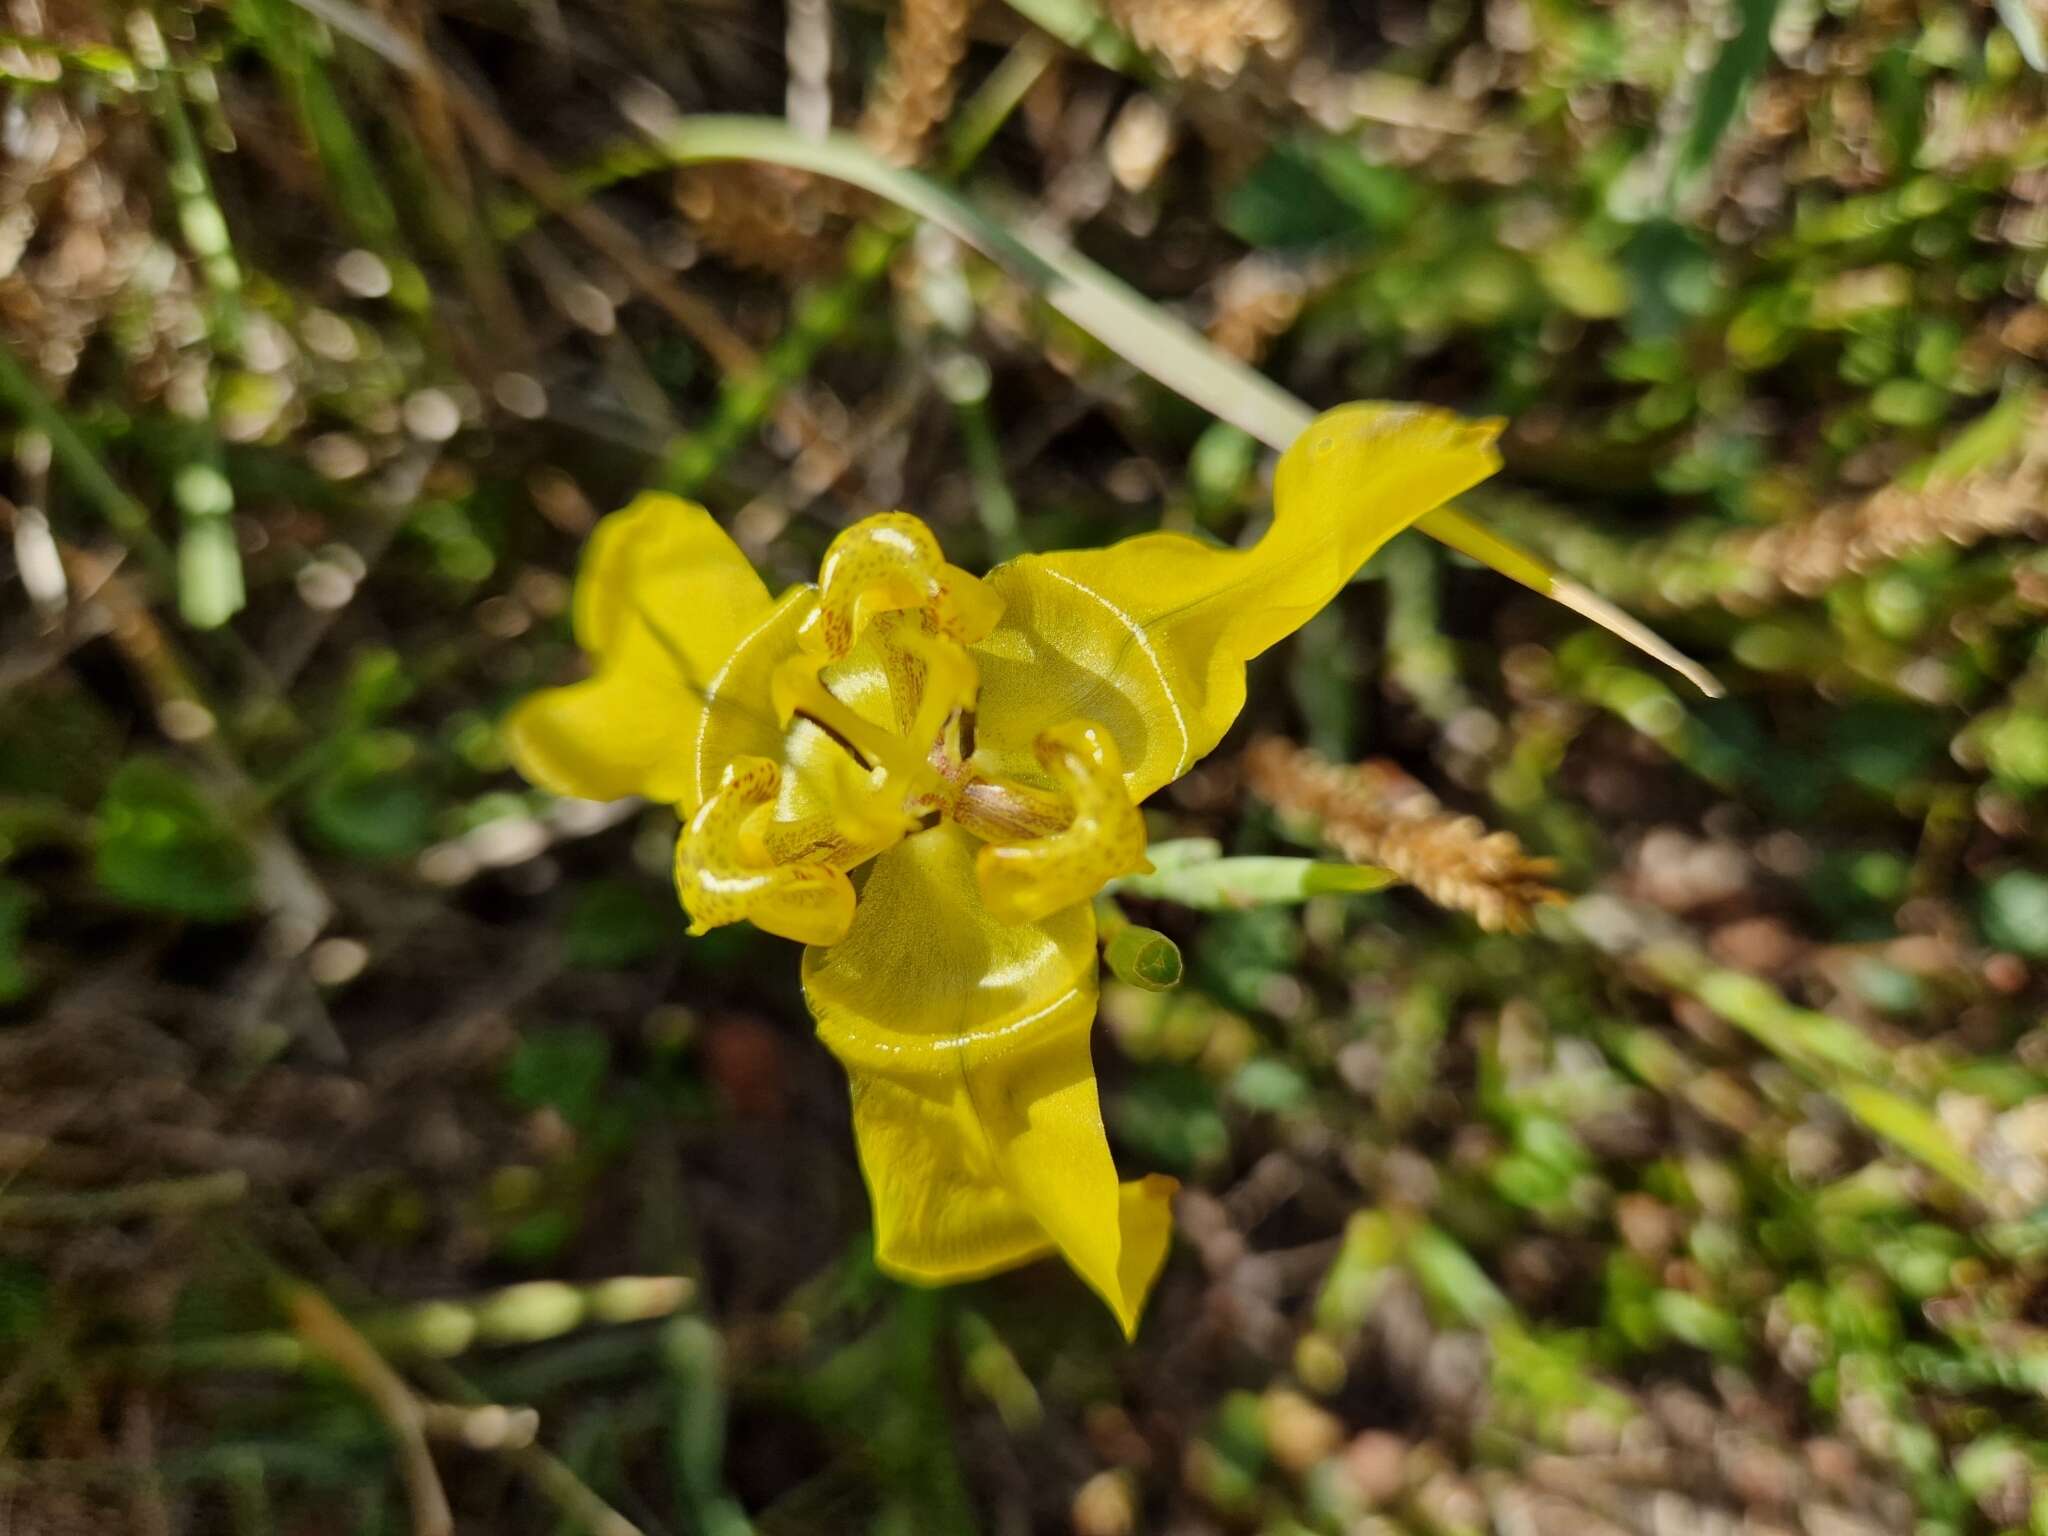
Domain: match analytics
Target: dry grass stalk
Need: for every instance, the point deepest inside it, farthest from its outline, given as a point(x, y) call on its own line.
point(915, 91)
point(763, 216)
point(1211, 40)
point(1374, 813)
point(788, 222)
point(1258, 299)
point(324, 1330)
point(1807, 558)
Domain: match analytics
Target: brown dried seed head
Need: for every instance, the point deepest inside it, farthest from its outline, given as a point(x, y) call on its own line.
point(763, 216)
point(915, 90)
point(1996, 501)
point(1211, 40)
point(1374, 813)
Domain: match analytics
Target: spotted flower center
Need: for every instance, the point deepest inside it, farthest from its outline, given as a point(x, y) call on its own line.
point(877, 708)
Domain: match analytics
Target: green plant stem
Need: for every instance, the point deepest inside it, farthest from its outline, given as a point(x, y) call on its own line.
point(165, 1197)
point(1224, 885)
point(1141, 956)
point(745, 399)
point(994, 501)
point(211, 589)
point(124, 514)
point(1085, 29)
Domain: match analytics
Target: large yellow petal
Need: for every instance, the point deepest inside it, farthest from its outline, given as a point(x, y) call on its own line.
point(669, 610)
point(1150, 637)
point(613, 735)
point(664, 562)
point(967, 1043)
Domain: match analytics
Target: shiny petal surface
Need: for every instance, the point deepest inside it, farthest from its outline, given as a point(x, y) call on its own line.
point(725, 876)
point(664, 562)
point(616, 734)
point(1150, 637)
point(967, 1043)
point(1023, 881)
point(663, 602)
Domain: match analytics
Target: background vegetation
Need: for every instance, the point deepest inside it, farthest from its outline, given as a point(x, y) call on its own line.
point(377, 1156)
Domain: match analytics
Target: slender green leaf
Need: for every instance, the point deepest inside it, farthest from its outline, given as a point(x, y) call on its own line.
point(164, 845)
point(1913, 1130)
point(1083, 28)
point(1222, 885)
point(1137, 330)
point(1741, 58)
point(124, 514)
point(2025, 27)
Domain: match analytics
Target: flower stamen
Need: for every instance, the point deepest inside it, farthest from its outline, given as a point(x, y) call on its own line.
point(1103, 836)
point(947, 683)
point(781, 860)
point(797, 689)
point(726, 873)
point(890, 563)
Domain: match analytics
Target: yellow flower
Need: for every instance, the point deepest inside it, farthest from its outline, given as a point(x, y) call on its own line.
point(925, 776)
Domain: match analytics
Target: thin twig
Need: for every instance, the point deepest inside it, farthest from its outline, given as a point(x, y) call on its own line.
point(164, 1197)
point(146, 1506)
point(482, 1426)
point(558, 1483)
point(324, 1329)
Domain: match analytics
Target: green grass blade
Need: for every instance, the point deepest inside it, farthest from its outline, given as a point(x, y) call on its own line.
point(1084, 29)
point(124, 514)
point(2025, 27)
point(288, 45)
point(1741, 59)
point(1137, 330)
point(1224, 885)
point(210, 583)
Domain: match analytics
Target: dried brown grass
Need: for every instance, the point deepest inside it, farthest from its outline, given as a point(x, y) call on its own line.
point(1375, 813)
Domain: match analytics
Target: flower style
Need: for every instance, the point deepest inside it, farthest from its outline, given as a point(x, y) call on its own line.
point(925, 776)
